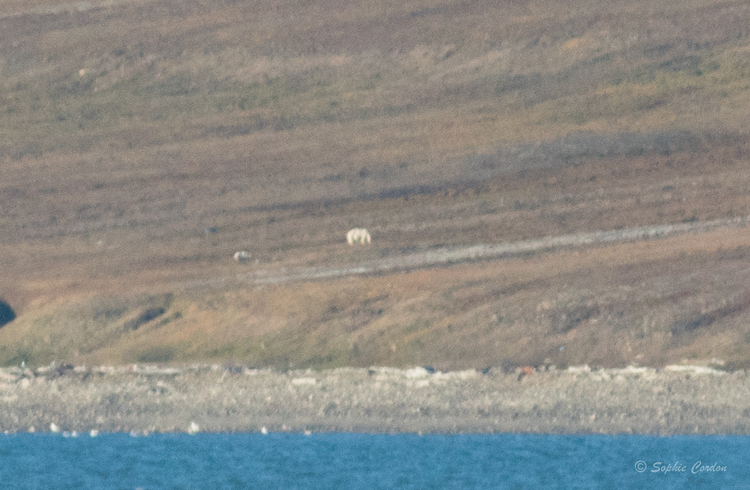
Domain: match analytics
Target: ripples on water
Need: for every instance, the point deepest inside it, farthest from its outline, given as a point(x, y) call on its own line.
point(364, 461)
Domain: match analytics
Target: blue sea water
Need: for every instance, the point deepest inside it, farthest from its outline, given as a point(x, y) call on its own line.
point(371, 461)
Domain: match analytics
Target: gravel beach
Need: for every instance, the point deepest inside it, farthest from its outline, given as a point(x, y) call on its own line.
point(146, 398)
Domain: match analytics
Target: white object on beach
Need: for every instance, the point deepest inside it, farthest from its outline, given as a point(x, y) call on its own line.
point(579, 369)
point(416, 372)
point(693, 369)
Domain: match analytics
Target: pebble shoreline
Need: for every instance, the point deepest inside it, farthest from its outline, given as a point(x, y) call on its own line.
point(143, 399)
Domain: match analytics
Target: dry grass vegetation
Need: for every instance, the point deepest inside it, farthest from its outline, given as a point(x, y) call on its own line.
point(142, 142)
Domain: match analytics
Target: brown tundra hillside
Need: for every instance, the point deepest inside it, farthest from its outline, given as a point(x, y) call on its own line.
point(144, 142)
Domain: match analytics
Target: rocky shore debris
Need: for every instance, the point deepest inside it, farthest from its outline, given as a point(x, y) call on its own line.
point(143, 399)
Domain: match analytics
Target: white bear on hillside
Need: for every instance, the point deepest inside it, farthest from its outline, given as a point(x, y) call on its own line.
point(242, 256)
point(360, 235)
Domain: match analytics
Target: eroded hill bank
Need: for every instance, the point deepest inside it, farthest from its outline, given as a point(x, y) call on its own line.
point(142, 399)
point(637, 299)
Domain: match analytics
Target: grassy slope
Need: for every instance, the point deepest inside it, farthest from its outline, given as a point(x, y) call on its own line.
point(126, 129)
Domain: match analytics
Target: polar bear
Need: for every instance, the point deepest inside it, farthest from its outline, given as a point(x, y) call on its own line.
point(360, 235)
point(242, 256)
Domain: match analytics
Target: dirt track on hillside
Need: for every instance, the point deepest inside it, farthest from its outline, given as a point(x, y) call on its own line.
point(452, 255)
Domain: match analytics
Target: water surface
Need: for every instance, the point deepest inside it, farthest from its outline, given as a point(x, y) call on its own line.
point(348, 461)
